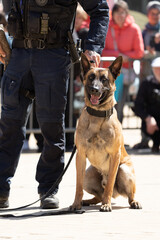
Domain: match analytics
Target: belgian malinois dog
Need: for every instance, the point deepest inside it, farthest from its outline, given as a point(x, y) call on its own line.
point(99, 138)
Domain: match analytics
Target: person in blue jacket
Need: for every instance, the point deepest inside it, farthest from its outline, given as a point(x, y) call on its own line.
point(40, 49)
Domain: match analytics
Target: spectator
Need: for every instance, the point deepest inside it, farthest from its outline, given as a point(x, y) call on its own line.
point(151, 38)
point(147, 105)
point(124, 38)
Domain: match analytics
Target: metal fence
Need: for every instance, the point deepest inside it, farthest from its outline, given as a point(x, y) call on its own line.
point(130, 121)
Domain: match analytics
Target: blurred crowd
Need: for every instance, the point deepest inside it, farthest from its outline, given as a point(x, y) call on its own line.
point(124, 38)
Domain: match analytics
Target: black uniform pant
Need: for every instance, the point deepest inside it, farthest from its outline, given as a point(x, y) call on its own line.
point(49, 69)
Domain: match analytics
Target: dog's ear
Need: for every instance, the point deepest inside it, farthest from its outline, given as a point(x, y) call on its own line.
point(115, 67)
point(85, 63)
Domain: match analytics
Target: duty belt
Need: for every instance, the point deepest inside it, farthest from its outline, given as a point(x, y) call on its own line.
point(35, 43)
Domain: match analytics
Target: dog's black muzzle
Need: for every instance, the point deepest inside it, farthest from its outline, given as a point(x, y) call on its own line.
point(94, 90)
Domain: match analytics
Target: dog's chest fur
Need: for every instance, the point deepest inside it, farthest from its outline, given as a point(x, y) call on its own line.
point(96, 138)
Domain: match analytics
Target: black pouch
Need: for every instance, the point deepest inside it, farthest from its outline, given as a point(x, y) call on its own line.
point(15, 24)
point(33, 23)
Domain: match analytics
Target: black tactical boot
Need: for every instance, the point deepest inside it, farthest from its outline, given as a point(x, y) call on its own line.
point(4, 202)
point(50, 202)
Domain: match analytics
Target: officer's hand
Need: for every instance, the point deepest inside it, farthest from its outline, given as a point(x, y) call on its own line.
point(93, 57)
point(2, 55)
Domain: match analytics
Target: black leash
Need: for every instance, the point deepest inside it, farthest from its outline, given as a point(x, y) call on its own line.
point(45, 196)
point(43, 213)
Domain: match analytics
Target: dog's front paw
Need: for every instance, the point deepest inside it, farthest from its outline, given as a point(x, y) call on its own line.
point(74, 207)
point(106, 208)
point(135, 205)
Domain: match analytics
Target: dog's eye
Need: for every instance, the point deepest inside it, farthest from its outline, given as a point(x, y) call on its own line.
point(104, 79)
point(91, 77)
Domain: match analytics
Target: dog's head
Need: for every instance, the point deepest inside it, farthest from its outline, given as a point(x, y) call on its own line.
point(99, 83)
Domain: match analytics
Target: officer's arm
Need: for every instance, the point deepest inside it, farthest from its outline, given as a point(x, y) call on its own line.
point(99, 16)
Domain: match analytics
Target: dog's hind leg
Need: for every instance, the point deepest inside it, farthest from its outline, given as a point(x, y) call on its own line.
point(93, 185)
point(125, 183)
point(92, 201)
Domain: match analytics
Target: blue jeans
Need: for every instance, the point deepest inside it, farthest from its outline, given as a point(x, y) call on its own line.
point(47, 72)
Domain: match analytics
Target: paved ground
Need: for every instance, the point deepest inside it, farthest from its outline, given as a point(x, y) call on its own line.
point(122, 223)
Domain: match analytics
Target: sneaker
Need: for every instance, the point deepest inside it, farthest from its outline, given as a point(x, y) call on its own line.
point(50, 202)
point(4, 203)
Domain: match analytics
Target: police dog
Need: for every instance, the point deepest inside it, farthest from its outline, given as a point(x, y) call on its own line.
point(99, 138)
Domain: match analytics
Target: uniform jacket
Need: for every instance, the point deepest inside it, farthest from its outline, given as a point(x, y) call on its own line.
point(128, 38)
point(99, 16)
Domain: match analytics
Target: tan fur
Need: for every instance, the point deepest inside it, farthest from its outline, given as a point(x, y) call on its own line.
point(100, 140)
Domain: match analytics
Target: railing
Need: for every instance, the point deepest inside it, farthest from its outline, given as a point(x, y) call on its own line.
point(130, 121)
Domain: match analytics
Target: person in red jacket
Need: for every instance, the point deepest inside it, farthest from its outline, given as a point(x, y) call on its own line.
point(124, 38)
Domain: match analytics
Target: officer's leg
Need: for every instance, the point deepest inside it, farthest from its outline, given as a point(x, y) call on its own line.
point(15, 110)
point(51, 122)
point(51, 162)
point(51, 94)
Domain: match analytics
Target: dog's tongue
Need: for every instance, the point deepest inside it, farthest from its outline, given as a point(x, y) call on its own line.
point(94, 99)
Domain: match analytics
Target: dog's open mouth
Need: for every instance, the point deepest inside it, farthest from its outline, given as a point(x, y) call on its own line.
point(95, 100)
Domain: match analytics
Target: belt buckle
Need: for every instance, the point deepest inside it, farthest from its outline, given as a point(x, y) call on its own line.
point(27, 43)
point(41, 44)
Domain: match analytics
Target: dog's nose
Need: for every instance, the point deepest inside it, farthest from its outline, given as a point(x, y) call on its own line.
point(94, 90)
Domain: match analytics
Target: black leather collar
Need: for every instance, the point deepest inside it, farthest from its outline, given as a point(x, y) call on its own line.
point(96, 113)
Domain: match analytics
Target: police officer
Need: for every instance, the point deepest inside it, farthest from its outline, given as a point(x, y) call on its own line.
point(40, 48)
